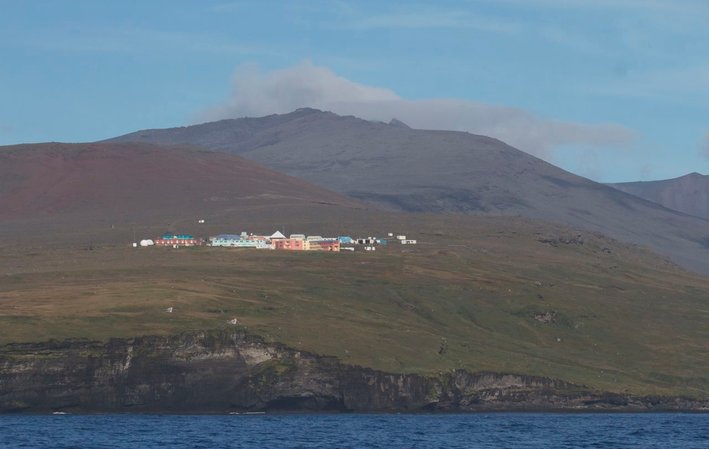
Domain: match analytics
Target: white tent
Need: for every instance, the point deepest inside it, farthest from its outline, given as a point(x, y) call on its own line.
point(277, 235)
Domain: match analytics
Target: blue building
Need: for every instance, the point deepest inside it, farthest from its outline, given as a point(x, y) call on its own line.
point(240, 241)
point(225, 240)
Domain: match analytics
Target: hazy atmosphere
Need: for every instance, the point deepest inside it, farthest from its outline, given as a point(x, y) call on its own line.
point(611, 90)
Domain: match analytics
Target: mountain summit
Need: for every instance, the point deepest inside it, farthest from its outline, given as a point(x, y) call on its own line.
point(688, 193)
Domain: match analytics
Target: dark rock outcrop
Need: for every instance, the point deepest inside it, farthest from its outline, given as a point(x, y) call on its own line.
point(222, 371)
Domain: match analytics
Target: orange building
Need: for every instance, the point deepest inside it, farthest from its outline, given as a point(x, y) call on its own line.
point(290, 244)
point(324, 245)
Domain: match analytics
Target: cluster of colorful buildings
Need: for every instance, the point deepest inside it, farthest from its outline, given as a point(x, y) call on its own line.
point(294, 242)
point(275, 241)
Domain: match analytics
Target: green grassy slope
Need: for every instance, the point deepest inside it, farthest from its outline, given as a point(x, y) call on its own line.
point(498, 294)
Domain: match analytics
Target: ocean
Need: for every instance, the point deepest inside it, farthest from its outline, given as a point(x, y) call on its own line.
point(494, 430)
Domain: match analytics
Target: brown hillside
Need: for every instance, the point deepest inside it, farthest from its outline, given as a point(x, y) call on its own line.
point(136, 180)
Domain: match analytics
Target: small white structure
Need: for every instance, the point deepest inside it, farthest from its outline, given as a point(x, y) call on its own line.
point(401, 237)
point(200, 221)
point(346, 248)
point(234, 321)
point(370, 248)
point(390, 234)
point(135, 245)
point(408, 242)
point(169, 310)
point(277, 235)
point(146, 242)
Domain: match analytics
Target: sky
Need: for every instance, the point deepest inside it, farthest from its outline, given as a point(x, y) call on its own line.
point(614, 90)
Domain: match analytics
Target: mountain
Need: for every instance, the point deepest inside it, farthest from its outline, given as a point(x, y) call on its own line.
point(688, 193)
point(400, 168)
point(137, 181)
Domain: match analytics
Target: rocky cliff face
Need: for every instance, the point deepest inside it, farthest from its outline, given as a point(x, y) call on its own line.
point(223, 371)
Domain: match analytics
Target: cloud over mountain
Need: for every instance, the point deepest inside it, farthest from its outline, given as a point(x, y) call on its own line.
point(257, 93)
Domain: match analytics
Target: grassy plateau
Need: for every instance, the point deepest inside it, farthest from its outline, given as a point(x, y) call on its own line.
point(485, 294)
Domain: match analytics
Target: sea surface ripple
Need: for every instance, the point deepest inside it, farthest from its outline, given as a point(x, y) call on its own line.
point(496, 430)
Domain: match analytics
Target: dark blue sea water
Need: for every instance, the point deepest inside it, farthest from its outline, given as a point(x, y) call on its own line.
point(499, 430)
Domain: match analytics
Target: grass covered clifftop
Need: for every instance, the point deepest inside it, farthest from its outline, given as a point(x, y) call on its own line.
point(481, 294)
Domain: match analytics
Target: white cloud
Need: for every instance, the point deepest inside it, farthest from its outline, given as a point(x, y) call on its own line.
point(258, 93)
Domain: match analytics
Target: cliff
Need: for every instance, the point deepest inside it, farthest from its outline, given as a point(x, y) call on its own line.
point(224, 371)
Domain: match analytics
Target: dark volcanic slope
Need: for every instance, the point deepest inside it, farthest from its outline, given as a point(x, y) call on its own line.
point(120, 179)
point(442, 171)
point(688, 194)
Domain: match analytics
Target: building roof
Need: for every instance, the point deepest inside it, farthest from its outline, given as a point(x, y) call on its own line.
point(277, 235)
point(170, 236)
